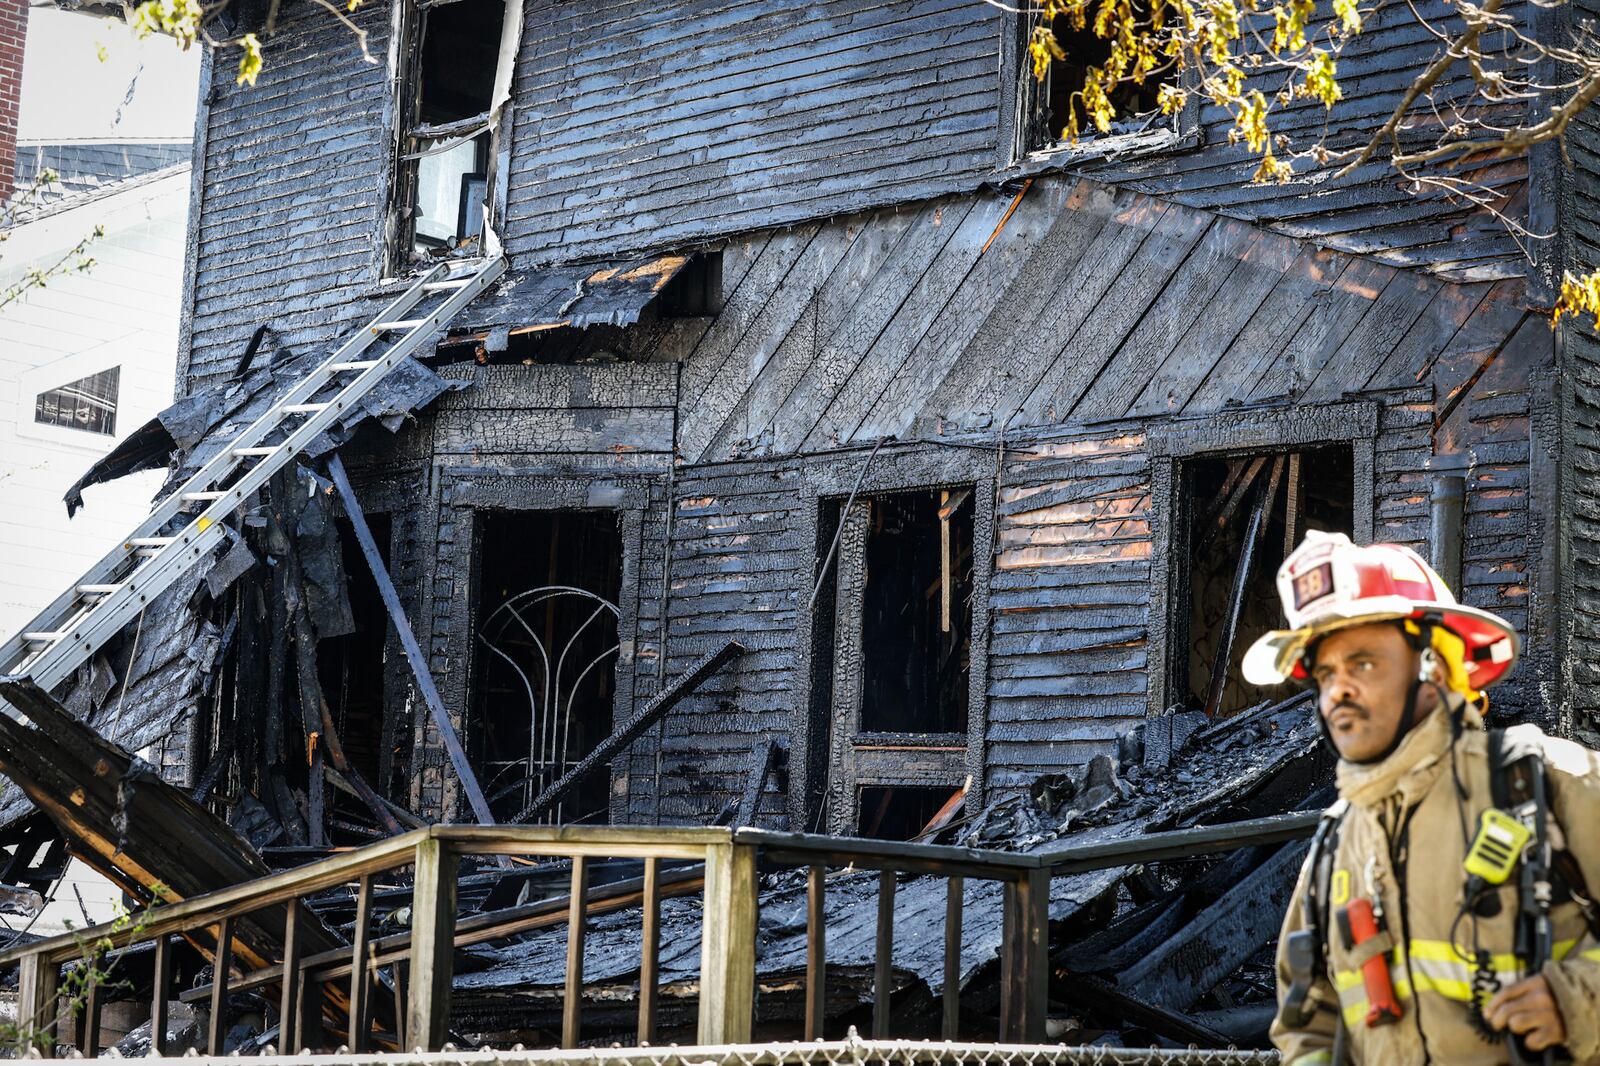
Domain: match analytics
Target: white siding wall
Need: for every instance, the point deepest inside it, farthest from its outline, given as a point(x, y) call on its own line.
point(123, 312)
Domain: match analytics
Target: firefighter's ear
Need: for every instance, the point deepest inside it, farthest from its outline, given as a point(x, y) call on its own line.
point(1429, 668)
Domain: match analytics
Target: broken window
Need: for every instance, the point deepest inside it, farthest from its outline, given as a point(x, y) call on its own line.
point(897, 650)
point(1057, 101)
point(89, 404)
point(446, 139)
point(351, 669)
point(1244, 515)
point(544, 681)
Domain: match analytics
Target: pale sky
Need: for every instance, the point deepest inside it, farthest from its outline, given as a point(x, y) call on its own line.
point(143, 89)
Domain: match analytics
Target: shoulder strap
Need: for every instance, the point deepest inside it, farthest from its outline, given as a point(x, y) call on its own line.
point(1513, 767)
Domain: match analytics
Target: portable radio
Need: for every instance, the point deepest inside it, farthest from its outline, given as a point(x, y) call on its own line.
point(1497, 847)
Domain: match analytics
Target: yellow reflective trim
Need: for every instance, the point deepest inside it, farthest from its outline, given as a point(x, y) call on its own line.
point(1340, 891)
point(1446, 952)
point(1591, 954)
point(1461, 991)
point(1355, 1014)
point(1344, 979)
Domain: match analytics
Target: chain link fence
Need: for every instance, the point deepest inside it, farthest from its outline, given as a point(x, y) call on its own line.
point(852, 1051)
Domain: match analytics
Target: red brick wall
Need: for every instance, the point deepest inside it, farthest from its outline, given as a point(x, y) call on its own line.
point(13, 29)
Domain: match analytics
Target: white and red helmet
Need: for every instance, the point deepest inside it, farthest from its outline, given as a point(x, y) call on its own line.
point(1329, 583)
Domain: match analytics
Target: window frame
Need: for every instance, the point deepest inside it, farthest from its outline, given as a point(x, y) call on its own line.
point(1019, 108)
point(829, 478)
point(401, 175)
point(1246, 433)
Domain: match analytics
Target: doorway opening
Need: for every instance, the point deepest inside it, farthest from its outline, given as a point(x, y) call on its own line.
point(546, 646)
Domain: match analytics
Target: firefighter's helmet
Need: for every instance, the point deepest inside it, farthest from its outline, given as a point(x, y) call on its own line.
point(1328, 583)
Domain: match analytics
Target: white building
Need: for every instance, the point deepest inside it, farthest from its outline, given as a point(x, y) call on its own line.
point(84, 359)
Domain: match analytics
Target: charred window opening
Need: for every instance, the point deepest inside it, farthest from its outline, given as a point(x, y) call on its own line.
point(892, 651)
point(900, 812)
point(1058, 100)
point(351, 667)
point(697, 288)
point(1244, 515)
point(916, 613)
point(446, 142)
point(546, 645)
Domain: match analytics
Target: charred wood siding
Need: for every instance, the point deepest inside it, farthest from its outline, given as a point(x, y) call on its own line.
point(1070, 605)
point(1578, 432)
point(648, 125)
point(292, 196)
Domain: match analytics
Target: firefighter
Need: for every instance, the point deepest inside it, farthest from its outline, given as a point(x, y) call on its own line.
point(1443, 913)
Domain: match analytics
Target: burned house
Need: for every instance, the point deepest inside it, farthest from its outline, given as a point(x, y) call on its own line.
point(817, 336)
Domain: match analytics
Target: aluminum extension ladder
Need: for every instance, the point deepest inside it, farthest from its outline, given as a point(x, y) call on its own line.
point(177, 537)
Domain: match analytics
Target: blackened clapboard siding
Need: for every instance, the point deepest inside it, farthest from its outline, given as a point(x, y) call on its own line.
point(641, 126)
point(1578, 582)
point(293, 192)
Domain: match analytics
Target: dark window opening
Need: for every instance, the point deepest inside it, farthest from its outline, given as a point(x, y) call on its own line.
point(1058, 99)
point(916, 615)
point(545, 649)
point(351, 669)
point(445, 142)
point(899, 812)
point(697, 288)
point(89, 404)
point(1313, 489)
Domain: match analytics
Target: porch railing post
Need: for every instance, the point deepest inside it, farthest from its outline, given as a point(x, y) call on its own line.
point(728, 945)
point(38, 1007)
point(433, 925)
point(1033, 955)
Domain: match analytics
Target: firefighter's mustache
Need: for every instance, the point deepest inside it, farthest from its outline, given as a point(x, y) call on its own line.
point(1360, 711)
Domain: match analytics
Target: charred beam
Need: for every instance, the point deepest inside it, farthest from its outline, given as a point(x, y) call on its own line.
point(408, 640)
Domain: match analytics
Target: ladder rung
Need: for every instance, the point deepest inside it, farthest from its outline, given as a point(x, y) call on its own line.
point(245, 453)
point(364, 365)
point(444, 286)
point(209, 494)
point(97, 590)
point(304, 408)
point(149, 542)
point(42, 638)
point(404, 323)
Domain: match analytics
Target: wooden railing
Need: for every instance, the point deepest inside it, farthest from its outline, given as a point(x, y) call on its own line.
point(417, 966)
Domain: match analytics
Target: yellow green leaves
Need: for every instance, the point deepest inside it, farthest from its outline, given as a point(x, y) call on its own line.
point(178, 19)
point(250, 61)
point(1322, 79)
point(1250, 122)
point(1349, 16)
point(1579, 296)
point(1289, 25)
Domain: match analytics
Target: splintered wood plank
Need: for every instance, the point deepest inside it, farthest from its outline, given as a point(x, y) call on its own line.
point(1291, 301)
point(1396, 309)
point(772, 265)
point(960, 319)
point(1185, 298)
point(916, 316)
point(1321, 336)
point(1022, 331)
point(1260, 267)
point(806, 309)
point(1137, 287)
point(881, 297)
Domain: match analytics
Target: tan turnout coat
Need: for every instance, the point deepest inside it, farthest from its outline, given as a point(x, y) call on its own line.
point(1417, 867)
